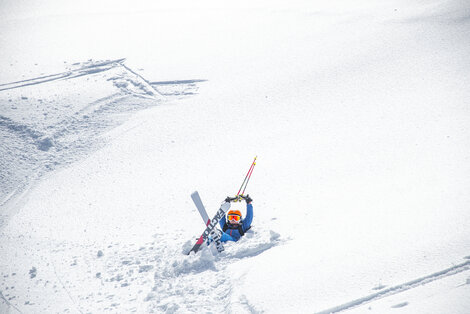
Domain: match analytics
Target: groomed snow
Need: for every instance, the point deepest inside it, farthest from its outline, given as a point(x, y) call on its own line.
point(112, 114)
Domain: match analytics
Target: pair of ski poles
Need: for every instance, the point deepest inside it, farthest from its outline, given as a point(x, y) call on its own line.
point(239, 196)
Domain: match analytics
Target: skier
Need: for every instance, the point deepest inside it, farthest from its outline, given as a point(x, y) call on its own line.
point(234, 226)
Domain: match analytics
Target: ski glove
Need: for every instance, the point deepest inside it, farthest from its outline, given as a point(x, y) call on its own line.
point(230, 199)
point(248, 199)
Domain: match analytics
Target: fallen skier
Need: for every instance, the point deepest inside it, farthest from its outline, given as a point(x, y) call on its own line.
point(234, 226)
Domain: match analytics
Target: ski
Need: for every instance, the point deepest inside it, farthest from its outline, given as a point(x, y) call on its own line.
point(202, 211)
point(211, 226)
point(200, 207)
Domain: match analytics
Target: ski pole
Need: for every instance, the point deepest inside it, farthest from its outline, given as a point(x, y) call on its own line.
point(251, 167)
point(243, 192)
point(248, 175)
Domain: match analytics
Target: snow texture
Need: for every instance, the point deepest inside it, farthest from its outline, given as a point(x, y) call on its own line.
point(112, 114)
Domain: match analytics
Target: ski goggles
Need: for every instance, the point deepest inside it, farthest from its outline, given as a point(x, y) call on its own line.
point(234, 217)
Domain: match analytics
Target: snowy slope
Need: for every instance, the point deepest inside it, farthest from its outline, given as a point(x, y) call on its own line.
point(52, 119)
point(358, 114)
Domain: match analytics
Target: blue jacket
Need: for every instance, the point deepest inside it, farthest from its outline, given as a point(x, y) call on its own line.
point(234, 234)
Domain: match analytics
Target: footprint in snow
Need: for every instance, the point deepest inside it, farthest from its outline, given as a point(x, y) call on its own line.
point(399, 305)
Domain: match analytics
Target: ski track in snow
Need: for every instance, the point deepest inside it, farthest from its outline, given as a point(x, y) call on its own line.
point(53, 120)
point(385, 292)
point(177, 88)
point(85, 69)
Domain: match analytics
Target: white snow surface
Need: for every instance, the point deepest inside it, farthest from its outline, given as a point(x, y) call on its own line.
point(112, 113)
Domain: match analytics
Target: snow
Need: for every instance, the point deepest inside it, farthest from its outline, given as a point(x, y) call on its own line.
point(112, 114)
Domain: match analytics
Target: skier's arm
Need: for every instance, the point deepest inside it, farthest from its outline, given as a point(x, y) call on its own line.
point(249, 216)
point(222, 222)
